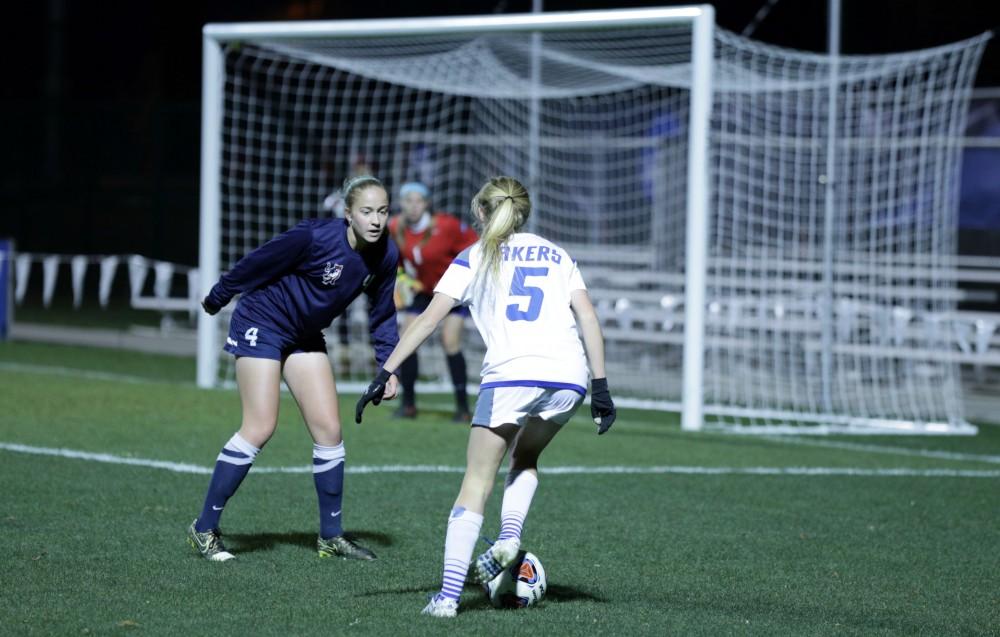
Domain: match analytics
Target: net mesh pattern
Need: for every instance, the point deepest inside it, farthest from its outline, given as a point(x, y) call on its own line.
point(807, 322)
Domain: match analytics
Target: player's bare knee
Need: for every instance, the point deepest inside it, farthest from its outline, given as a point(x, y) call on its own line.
point(451, 335)
point(451, 344)
point(326, 434)
point(257, 433)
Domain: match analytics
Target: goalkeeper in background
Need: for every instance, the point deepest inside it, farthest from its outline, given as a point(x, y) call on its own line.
point(292, 288)
point(531, 306)
point(427, 244)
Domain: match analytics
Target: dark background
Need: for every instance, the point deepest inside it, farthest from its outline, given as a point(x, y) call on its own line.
point(100, 107)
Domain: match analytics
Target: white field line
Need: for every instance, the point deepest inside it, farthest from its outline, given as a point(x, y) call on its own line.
point(54, 370)
point(791, 440)
point(180, 467)
point(885, 449)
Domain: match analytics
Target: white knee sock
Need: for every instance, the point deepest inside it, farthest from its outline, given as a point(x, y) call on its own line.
point(463, 531)
point(517, 497)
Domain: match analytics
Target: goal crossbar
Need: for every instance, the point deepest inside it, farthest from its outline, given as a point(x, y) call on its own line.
point(554, 21)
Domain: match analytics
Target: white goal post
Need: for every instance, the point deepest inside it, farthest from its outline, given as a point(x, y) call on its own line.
point(699, 21)
point(681, 165)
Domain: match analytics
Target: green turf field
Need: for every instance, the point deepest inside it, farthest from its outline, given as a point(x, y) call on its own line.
point(706, 534)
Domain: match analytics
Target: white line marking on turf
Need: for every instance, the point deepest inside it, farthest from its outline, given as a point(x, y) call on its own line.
point(180, 467)
point(899, 451)
point(54, 370)
point(176, 467)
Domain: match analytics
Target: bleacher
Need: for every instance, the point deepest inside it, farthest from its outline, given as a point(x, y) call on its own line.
point(640, 307)
point(638, 304)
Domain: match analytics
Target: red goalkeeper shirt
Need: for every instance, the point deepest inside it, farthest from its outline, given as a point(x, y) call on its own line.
point(426, 255)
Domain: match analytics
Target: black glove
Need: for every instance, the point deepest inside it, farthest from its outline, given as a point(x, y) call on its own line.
point(209, 306)
point(602, 409)
point(373, 394)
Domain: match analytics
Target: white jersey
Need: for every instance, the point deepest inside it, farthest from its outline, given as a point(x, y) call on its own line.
point(526, 321)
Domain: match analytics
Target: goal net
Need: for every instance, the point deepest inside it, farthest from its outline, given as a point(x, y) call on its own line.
point(776, 315)
point(831, 285)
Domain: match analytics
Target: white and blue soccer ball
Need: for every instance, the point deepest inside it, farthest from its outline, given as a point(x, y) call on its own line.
point(519, 585)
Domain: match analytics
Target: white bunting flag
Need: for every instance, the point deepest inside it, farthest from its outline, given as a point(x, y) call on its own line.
point(164, 275)
point(109, 265)
point(78, 268)
point(22, 268)
point(138, 267)
point(50, 271)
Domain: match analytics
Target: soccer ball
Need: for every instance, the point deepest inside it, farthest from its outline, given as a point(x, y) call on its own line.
point(519, 585)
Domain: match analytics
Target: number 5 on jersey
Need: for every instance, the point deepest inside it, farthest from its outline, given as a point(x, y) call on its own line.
point(519, 287)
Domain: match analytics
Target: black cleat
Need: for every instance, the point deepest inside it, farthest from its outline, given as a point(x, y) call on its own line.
point(340, 546)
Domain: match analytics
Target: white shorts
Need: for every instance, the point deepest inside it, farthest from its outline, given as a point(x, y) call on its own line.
point(501, 405)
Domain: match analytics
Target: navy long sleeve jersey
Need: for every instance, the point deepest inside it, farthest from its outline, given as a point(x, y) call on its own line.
point(301, 280)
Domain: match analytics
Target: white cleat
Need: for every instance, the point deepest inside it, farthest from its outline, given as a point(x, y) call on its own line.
point(222, 556)
point(496, 558)
point(440, 607)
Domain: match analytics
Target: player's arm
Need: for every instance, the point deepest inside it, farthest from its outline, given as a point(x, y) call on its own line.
point(590, 330)
point(382, 316)
point(418, 331)
point(420, 328)
point(268, 262)
point(602, 408)
point(449, 289)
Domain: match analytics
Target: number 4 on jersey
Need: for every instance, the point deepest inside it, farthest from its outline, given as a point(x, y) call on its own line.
point(535, 295)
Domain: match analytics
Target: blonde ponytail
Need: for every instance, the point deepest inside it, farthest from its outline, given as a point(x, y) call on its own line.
point(505, 207)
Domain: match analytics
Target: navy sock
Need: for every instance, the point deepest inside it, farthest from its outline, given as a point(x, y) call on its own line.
point(231, 467)
point(328, 474)
point(459, 378)
point(408, 379)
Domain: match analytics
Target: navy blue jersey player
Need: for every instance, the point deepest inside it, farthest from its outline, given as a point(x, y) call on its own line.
point(292, 287)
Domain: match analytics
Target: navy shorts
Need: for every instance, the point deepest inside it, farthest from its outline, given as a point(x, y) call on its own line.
point(421, 300)
point(262, 340)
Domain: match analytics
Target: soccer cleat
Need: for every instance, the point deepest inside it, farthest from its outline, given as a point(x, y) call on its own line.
point(405, 411)
point(440, 607)
point(209, 544)
point(463, 417)
point(340, 546)
point(496, 558)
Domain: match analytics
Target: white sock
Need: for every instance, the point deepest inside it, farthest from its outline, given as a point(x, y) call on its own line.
point(239, 445)
point(463, 531)
point(517, 497)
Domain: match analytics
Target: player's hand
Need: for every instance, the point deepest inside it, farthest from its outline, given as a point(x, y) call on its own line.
point(391, 388)
point(602, 408)
point(209, 306)
point(373, 394)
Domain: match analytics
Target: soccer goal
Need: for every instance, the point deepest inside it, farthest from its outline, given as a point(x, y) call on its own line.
point(767, 236)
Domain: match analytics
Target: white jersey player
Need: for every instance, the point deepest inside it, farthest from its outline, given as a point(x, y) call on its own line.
point(531, 306)
point(531, 336)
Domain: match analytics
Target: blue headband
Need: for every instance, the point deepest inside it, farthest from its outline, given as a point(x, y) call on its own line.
point(414, 186)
